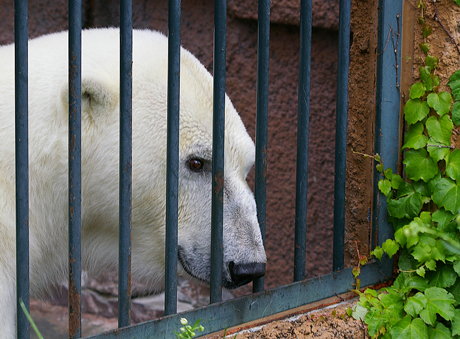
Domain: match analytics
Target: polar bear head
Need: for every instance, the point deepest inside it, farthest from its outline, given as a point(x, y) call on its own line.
point(243, 252)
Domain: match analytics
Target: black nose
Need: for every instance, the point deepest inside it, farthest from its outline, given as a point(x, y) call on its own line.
point(243, 273)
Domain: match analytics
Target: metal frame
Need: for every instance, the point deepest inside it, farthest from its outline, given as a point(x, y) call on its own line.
point(263, 303)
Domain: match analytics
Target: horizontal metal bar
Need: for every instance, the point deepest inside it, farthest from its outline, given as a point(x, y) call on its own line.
point(237, 311)
point(338, 261)
point(21, 32)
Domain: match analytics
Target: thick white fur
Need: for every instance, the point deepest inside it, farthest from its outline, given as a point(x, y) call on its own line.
point(48, 139)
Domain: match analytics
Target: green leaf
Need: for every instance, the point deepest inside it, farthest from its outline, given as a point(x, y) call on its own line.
point(406, 282)
point(406, 207)
point(456, 267)
point(407, 328)
point(377, 252)
point(440, 332)
point(415, 110)
point(443, 277)
point(374, 320)
point(419, 165)
point(447, 195)
point(406, 261)
point(425, 47)
point(454, 84)
point(437, 153)
point(431, 61)
point(391, 247)
point(431, 265)
point(415, 304)
point(455, 291)
point(456, 323)
point(456, 113)
point(442, 218)
point(414, 137)
point(453, 165)
point(426, 31)
point(440, 130)
point(426, 77)
point(417, 90)
point(393, 304)
point(440, 102)
point(385, 186)
point(359, 312)
point(439, 301)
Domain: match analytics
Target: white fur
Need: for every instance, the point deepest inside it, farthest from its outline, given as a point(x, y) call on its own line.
point(48, 140)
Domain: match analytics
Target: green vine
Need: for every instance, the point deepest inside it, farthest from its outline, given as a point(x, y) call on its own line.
point(424, 300)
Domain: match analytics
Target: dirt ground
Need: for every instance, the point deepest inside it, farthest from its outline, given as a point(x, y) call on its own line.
point(329, 323)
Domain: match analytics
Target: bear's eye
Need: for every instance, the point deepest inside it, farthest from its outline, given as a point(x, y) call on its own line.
point(196, 165)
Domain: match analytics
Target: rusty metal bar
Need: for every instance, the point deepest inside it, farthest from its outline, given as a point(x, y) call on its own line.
point(75, 168)
point(124, 257)
point(21, 32)
point(220, 37)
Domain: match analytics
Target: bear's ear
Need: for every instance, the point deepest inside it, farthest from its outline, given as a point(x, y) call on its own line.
point(96, 98)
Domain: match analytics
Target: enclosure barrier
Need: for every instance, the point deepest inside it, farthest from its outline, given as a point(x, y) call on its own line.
point(260, 304)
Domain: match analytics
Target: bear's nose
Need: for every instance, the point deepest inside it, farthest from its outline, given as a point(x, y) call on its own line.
point(243, 273)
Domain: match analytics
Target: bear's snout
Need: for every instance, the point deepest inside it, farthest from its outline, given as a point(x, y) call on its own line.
point(244, 273)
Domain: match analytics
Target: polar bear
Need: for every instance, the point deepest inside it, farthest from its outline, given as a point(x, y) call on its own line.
point(244, 255)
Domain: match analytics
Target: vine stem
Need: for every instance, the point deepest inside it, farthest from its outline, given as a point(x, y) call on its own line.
point(436, 18)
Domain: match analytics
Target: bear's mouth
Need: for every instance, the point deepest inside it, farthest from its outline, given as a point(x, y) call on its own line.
point(188, 267)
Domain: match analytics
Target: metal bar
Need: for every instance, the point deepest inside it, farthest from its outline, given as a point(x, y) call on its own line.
point(263, 45)
point(172, 160)
point(341, 134)
point(74, 168)
point(387, 112)
point(255, 306)
point(220, 35)
point(124, 258)
point(302, 141)
point(21, 32)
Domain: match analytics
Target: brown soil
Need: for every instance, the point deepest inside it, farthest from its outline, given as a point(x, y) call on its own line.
point(330, 323)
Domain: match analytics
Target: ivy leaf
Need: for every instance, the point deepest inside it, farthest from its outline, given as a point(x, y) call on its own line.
point(440, 332)
point(414, 137)
point(407, 261)
point(431, 265)
point(453, 165)
point(407, 328)
point(454, 84)
point(442, 218)
point(425, 76)
point(447, 195)
point(374, 320)
point(391, 247)
point(406, 282)
point(415, 110)
point(377, 252)
point(455, 291)
point(440, 102)
point(393, 305)
point(457, 267)
point(417, 90)
point(440, 130)
point(437, 153)
point(456, 113)
point(439, 301)
point(415, 304)
point(443, 277)
point(425, 47)
point(406, 207)
point(456, 323)
point(385, 186)
point(419, 165)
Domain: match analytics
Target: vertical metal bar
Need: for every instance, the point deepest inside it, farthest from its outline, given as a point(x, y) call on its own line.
point(172, 159)
point(341, 134)
point(263, 45)
point(124, 258)
point(74, 168)
point(21, 32)
point(302, 140)
point(220, 35)
point(387, 111)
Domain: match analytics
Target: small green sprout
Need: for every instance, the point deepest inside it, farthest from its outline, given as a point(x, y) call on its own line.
point(187, 331)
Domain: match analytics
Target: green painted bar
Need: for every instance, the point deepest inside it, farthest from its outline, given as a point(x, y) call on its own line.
point(303, 123)
point(263, 45)
point(341, 135)
point(172, 158)
point(237, 311)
